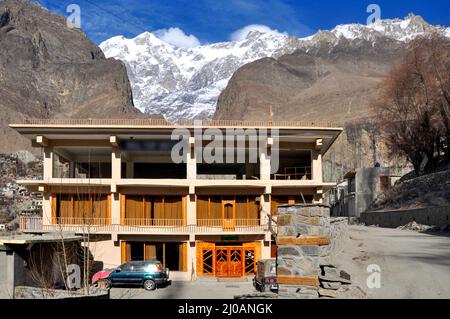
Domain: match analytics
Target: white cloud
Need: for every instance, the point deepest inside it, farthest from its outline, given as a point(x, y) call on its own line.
point(177, 37)
point(243, 32)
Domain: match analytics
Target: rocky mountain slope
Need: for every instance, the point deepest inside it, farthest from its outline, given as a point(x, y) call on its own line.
point(48, 70)
point(186, 82)
point(332, 77)
point(331, 83)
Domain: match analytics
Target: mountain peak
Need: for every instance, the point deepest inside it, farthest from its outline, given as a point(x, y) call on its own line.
point(186, 82)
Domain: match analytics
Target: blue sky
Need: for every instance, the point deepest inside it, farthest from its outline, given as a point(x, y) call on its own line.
point(215, 20)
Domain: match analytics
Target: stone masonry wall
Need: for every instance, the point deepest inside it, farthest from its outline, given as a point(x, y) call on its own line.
point(303, 241)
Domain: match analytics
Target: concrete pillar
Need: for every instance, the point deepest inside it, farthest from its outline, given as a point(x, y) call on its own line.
point(264, 167)
point(116, 165)
point(7, 272)
point(265, 208)
point(265, 249)
point(191, 160)
point(191, 260)
point(115, 208)
point(191, 209)
point(48, 163)
point(317, 166)
point(47, 208)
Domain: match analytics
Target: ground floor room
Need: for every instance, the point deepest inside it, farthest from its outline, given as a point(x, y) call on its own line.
point(207, 256)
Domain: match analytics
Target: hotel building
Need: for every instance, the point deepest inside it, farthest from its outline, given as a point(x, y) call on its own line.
point(118, 181)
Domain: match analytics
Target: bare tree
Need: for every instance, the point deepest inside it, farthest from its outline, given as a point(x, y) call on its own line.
point(47, 263)
point(412, 107)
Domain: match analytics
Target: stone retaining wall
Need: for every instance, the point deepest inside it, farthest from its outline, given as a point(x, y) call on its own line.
point(339, 234)
point(303, 244)
point(433, 216)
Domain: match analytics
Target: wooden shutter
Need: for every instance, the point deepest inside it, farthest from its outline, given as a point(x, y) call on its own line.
point(241, 207)
point(147, 210)
point(149, 251)
point(215, 207)
point(202, 208)
point(54, 203)
point(158, 207)
point(123, 252)
point(173, 207)
point(122, 208)
point(184, 248)
point(65, 207)
point(253, 210)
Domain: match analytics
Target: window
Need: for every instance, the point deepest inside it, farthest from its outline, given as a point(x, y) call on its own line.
point(153, 210)
point(160, 170)
point(170, 254)
point(125, 267)
point(244, 208)
point(153, 267)
point(81, 208)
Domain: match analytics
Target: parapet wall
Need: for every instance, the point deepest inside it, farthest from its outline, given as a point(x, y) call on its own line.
point(433, 216)
point(303, 244)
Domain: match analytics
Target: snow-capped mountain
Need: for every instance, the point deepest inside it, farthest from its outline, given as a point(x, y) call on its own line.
point(186, 82)
point(403, 30)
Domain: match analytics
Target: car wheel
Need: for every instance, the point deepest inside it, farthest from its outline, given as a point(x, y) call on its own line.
point(149, 285)
point(263, 288)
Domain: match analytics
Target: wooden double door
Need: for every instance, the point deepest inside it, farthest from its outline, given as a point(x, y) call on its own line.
point(227, 261)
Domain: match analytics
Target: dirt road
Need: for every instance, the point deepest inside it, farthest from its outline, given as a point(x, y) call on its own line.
point(413, 265)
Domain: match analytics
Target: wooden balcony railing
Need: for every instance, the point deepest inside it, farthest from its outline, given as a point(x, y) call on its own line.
point(140, 222)
point(152, 226)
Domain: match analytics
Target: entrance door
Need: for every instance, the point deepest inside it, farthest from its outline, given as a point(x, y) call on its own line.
point(229, 214)
point(222, 262)
point(235, 262)
point(229, 262)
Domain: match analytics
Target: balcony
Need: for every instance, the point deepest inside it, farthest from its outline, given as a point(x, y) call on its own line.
point(142, 226)
point(294, 173)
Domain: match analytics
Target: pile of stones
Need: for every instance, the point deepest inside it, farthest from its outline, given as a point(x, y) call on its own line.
point(332, 280)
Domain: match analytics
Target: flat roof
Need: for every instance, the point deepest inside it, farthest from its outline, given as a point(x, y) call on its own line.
point(102, 129)
point(23, 239)
point(162, 123)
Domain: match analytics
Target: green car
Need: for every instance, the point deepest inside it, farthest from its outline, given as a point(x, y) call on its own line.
point(147, 274)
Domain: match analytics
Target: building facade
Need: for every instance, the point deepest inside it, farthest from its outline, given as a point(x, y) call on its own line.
point(361, 187)
point(201, 197)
